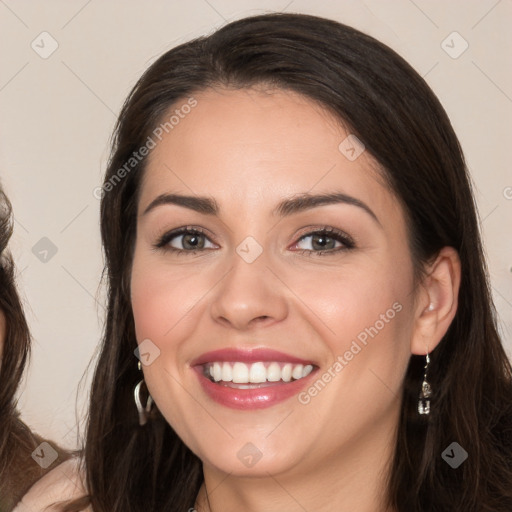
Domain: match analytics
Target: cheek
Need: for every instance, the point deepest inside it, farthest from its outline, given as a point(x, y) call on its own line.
point(166, 301)
point(364, 317)
point(158, 303)
point(150, 306)
point(343, 302)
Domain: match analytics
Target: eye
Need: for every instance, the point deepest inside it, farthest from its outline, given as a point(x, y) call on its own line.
point(189, 240)
point(323, 242)
point(193, 240)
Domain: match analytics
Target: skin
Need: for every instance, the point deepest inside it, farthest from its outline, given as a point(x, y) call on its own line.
point(249, 149)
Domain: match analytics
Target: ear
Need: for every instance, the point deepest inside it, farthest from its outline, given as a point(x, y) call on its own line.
point(436, 302)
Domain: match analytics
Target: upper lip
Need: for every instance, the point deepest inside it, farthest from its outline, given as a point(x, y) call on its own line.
point(247, 356)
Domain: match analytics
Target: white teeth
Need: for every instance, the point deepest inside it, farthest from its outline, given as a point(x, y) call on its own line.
point(240, 373)
point(256, 373)
point(286, 372)
point(273, 372)
point(227, 372)
point(217, 372)
point(297, 372)
point(307, 370)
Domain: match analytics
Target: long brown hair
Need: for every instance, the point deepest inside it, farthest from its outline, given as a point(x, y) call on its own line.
point(395, 114)
point(18, 471)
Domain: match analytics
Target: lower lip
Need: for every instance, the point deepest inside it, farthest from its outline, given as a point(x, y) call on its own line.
point(258, 398)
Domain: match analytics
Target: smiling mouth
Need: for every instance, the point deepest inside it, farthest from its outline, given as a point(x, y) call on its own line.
point(260, 374)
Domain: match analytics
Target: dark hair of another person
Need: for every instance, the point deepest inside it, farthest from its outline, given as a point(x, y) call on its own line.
point(377, 96)
point(18, 471)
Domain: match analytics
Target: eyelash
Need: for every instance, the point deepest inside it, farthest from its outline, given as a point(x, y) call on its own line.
point(330, 232)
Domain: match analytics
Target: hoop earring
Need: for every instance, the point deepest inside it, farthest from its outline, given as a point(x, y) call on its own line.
point(426, 391)
point(143, 411)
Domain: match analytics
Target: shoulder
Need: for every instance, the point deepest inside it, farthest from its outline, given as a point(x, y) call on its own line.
point(63, 483)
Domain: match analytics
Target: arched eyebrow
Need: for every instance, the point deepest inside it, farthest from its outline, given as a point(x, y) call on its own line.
point(303, 202)
point(295, 204)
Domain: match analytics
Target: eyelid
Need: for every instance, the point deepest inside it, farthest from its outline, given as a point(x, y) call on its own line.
point(319, 228)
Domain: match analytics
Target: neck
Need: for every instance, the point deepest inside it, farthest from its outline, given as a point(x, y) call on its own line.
point(352, 479)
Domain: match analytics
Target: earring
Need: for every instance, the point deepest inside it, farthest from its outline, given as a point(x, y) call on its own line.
point(143, 411)
point(426, 391)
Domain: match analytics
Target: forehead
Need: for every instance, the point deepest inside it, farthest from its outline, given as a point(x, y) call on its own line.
point(251, 147)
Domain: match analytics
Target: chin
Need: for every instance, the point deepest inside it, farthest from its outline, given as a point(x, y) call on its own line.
point(248, 461)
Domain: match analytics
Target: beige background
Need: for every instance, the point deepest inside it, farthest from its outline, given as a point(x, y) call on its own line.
point(57, 114)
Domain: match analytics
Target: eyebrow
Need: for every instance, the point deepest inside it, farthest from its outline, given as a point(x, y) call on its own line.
point(287, 207)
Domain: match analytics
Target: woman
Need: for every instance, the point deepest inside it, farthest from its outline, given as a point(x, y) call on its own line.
point(370, 378)
point(19, 469)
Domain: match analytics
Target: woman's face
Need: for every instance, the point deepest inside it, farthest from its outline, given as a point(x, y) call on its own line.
point(260, 278)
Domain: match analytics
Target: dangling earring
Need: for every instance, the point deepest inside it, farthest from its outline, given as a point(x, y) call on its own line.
point(143, 411)
point(426, 391)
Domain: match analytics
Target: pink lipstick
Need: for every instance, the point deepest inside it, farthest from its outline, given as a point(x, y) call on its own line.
point(252, 379)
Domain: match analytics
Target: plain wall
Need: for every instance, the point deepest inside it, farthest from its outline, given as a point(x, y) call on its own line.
point(57, 114)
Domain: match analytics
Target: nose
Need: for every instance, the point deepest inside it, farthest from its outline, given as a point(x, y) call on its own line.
point(249, 295)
